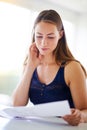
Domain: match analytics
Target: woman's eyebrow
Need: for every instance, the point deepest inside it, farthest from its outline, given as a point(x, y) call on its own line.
point(46, 34)
point(39, 33)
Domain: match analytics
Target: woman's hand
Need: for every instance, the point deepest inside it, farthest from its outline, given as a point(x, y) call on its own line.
point(74, 118)
point(34, 57)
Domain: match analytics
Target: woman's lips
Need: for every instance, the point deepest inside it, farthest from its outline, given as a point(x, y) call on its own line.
point(44, 49)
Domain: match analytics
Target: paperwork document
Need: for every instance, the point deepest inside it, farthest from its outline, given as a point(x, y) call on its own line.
point(59, 108)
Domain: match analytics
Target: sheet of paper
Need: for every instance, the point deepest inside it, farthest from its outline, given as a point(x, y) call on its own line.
point(59, 108)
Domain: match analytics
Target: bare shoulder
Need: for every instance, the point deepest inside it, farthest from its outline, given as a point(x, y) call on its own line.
point(73, 67)
point(71, 63)
point(73, 70)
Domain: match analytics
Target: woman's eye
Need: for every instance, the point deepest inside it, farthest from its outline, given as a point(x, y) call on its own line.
point(39, 37)
point(51, 37)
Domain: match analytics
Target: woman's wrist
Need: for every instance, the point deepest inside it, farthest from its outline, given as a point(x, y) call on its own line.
point(31, 66)
point(83, 117)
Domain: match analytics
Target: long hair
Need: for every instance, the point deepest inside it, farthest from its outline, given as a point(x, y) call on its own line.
point(62, 52)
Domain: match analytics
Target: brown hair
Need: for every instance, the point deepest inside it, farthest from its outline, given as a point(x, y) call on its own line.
point(62, 53)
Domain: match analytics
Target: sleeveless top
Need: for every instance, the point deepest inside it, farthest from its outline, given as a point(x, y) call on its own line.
point(57, 90)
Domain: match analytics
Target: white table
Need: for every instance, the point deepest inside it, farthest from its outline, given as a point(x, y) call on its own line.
point(38, 124)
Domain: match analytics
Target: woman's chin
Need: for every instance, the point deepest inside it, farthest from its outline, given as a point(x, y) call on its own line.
point(43, 54)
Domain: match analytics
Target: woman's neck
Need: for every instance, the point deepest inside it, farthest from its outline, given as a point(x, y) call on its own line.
point(48, 60)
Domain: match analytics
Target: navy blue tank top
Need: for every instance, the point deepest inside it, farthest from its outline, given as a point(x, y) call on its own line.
point(57, 90)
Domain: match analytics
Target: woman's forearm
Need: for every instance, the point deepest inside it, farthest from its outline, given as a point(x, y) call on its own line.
point(20, 95)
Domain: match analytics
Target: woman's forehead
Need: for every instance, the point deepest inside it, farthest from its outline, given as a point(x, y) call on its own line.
point(49, 28)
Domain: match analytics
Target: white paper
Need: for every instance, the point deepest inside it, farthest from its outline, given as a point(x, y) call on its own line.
point(59, 108)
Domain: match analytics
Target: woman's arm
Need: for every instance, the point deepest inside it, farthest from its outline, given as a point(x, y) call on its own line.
point(20, 94)
point(76, 80)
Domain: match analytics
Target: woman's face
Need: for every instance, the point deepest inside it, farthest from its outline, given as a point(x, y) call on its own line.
point(46, 37)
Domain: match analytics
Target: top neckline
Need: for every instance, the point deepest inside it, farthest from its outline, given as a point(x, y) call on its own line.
point(52, 82)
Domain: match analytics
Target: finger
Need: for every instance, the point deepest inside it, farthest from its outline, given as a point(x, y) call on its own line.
point(74, 118)
point(73, 110)
point(72, 121)
point(77, 113)
point(33, 48)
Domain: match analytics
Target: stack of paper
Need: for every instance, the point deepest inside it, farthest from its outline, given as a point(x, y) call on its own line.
point(59, 108)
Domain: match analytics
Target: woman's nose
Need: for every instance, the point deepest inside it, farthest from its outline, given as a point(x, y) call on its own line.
point(44, 42)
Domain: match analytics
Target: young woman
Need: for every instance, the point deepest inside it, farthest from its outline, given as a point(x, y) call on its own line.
point(51, 73)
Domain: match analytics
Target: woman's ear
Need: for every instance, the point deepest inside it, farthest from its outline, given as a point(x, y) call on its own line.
point(61, 33)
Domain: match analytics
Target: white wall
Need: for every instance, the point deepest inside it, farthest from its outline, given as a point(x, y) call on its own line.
point(79, 45)
point(81, 39)
point(39, 5)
